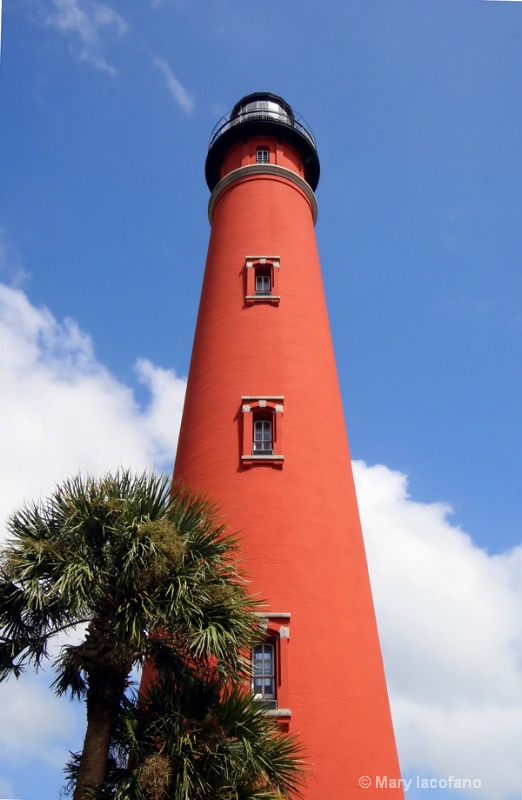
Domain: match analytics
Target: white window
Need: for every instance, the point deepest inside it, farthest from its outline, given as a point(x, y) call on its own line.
point(263, 283)
point(263, 437)
point(261, 432)
point(262, 156)
point(262, 279)
point(263, 669)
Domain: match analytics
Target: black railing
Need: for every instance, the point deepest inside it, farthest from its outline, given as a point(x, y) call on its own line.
point(227, 122)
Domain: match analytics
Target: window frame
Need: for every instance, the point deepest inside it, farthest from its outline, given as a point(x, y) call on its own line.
point(259, 267)
point(269, 697)
point(262, 155)
point(262, 282)
point(257, 409)
point(264, 427)
point(276, 627)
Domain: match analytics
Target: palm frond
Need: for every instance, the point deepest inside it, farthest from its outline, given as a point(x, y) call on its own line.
point(216, 740)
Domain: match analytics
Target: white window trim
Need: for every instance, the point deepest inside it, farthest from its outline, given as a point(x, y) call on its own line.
point(250, 404)
point(257, 263)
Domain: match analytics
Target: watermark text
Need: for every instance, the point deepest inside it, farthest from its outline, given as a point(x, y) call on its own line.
point(418, 782)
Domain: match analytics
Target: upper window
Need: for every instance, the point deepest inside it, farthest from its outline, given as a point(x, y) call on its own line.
point(263, 437)
point(262, 279)
point(263, 283)
point(262, 156)
point(263, 677)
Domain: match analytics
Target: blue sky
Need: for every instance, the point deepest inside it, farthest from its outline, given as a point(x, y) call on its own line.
point(105, 114)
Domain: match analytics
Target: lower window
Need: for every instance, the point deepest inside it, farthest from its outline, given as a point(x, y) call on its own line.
point(264, 677)
point(269, 681)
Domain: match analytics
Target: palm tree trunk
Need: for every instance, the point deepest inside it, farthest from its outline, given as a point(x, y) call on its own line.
point(103, 699)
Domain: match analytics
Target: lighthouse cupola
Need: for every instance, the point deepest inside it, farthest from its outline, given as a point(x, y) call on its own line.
point(257, 117)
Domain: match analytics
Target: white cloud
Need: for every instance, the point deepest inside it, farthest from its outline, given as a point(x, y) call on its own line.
point(83, 22)
point(178, 92)
point(62, 411)
point(35, 724)
point(161, 423)
point(451, 631)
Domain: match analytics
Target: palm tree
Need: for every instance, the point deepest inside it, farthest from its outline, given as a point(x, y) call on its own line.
point(195, 736)
point(140, 571)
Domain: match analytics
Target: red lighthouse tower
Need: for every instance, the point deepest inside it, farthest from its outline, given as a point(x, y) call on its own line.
point(263, 435)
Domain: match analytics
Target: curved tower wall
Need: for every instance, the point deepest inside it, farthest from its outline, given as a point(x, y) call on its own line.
point(271, 357)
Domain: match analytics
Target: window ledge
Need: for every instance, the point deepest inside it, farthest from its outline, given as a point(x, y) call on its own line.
point(277, 461)
point(263, 298)
point(279, 712)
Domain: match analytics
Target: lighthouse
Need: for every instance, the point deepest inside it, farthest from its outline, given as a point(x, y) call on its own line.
point(263, 436)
